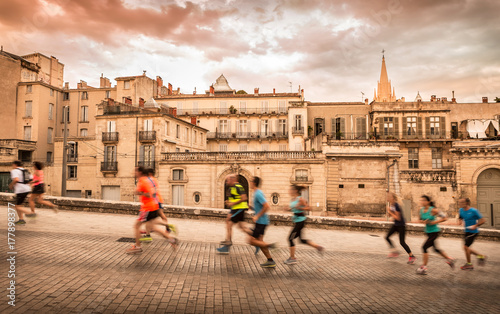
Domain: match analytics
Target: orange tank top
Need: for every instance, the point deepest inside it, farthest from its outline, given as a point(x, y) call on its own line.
point(38, 179)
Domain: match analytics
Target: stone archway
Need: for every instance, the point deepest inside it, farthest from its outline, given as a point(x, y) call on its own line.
point(243, 181)
point(221, 188)
point(488, 196)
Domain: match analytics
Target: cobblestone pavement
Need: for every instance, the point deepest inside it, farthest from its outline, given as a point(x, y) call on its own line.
point(71, 262)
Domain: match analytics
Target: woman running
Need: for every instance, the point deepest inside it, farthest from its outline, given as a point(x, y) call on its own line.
point(429, 215)
point(399, 226)
point(297, 206)
point(38, 189)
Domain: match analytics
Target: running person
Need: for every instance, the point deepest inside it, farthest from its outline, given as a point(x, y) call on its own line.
point(149, 211)
point(428, 215)
point(20, 185)
point(298, 205)
point(261, 220)
point(238, 202)
point(472, 220)
point(38, 189)
point(399, 226)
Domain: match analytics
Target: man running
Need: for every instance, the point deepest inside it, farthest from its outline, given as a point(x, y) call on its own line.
point(20, 184)
point(399, 226)
point(472, 219)
point(148, 213)
point(238, 202)
point(261, 220)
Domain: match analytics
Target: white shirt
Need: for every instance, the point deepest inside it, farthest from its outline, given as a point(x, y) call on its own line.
point(19, 187)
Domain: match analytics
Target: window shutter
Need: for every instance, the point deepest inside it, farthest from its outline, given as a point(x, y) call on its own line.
point(259, 127)
point(342, 127)
point(427, 127)
point(396, 127)
point(277, 127)
point(249, 126)
point(229, 126)
point(333, 126)
point(419, 127)
point(442, 125)
point(141, 153)
point(380, 126)
point(237, 126)
point(105, 153)
point(152, 159)
point(404, 121)
point(363, 128)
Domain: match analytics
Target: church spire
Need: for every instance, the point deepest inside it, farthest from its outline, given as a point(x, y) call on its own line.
point(384, 91)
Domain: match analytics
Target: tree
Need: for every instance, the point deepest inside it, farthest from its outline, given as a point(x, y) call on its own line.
point(241, 92)
point(497, 99)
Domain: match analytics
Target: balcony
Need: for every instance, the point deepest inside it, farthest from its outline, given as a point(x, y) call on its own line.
point(231, 111)
point(150, 164)
point(109, 137)
point(247, 135)
point(297, 131)
point(109, 166)
point(147, 136)
point(247, 156)
point(428, 176)
point(301, 178)
point(72, 158)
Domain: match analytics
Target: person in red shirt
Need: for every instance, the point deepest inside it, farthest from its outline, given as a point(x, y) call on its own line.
point(149, 211)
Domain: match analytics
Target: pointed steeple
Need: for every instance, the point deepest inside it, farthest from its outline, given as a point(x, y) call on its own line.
point(383, 72)
point(384, 92)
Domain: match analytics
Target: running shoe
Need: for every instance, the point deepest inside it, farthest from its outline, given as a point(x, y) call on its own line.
point(467, 266)
point(172, 228)
point(451, 262)
point(257, 250)
point(268, 264)
point(411, 260)
point(393, 254)
point(223, 250)
point(20, 222)
point(481, 260)
point(273, 246)
point(146, 238)
point(174, 241)
point(291, 261)
point(31, 215)
point(134, 250)
point(226, 243)
point(422, 270)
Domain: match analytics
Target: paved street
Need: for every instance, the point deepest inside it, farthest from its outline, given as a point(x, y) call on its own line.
point(72, 262)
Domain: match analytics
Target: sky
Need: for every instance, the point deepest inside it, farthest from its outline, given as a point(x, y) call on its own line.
point(332, 49)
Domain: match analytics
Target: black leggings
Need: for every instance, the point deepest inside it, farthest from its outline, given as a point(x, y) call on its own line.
point(297, 233)
point(431, 238)
point(402, 233)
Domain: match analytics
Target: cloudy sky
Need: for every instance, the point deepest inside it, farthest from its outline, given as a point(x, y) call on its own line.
point(331, 48)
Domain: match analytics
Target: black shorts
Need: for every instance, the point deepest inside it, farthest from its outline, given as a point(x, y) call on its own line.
point(237, 215)
point(21, 197)
point(145, 216)
point(38, 189)
point(469, 238)
point(258, 230)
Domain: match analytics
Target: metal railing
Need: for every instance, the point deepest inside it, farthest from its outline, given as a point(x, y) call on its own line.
point(227, 111)
point(109, 166)
point(110, 136)
point(296, 130)
point(72, 158)
point(228, 156)
point(301, 178)
point(147, 136)
point(246, 135)
point(146, 164)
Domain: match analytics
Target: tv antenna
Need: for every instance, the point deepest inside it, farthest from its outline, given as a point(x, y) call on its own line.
point(290, 86)
point(362, 97)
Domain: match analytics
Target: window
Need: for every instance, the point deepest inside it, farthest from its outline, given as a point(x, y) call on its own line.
point(177, 149)
point(283, 148)
point(301, 175)
point(411, 126)
point(195, 107)
point(341, 186)
point(29, 88)
point(83, 132)
point(243, 147)
point(126, 84)
point(28, 106)
point(109, 154)
point(178, 174)
point(49, 157)
point(147, 156)
point(223, 126)
point(413, 158)
point(148, 125)
point(275, 198)
point(179, 108)
point(72, 172)
point(177, 131)
point(264, 106)
point(298, 122)
point(51, 92)
point(243, 106)
point(242, 127)
point(108, 94)
point(197, 197)
point(443, 189)
point(223, 107)
point(434, 125)
point(281, 127)
point(361, 128)
point(195, 137)
point(281, 106)
point(167, 128)
point(85, 114)
point(65, 114)
point(264, 128)
point(437, 158)
point(186, 134)
point(222, 147)
point(51, 111)
point(388, 126)
point(361, 186)
point(72, 152)
point(65, 96)
point(85, 95)
point(111, 126)
point(178, 195)
point(50, 132)
point(27, 133)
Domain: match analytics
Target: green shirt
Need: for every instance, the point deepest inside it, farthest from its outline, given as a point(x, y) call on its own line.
point(429, 217)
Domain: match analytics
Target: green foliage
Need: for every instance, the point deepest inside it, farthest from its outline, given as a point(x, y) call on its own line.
point(241, 92)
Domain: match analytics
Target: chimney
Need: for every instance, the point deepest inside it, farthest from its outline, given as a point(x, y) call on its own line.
point(194, 92)
point(255, 91)
point(366, 101)
point(174, 112)
point(169, 89)
point(453, 99)
point(212, 90)
point(143, 72)
point(128, 100)
point(141, 102)
point(178, 90)
point(433, 97)
point(274, 91)
point(445, 99)
point(193, 120)
point(485, 100)
point(66, 85)
point(159, 82)
point(302, 93)
point(111, 102)
point(104, 82)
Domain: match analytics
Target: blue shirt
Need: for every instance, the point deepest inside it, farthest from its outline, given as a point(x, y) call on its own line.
point(298, 213)
point(470, 218)
point(397, 208)
point(258, 203)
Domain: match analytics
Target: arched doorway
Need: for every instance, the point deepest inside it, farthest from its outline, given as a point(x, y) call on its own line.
point(488, 196)
point(243, 181)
